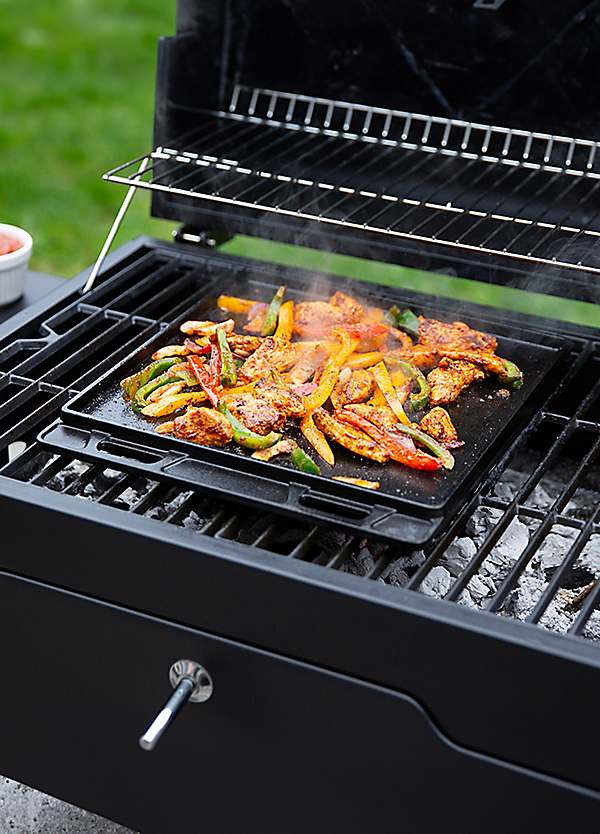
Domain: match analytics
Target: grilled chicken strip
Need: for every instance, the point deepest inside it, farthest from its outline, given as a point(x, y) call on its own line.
point(352, 310)
point(381, 416)
point(438, 424)
point(282, 399)
point(356, 389)
point(488, 362)
point(243, 346)
point(350, 438)
point(311, 361)
point(256, 414)
point(450, 378)
point(422, 356)
point(313, 319)
point(273, 355)
point(203, 425)
point(456, 335)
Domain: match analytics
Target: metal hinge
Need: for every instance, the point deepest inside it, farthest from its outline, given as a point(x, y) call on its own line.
point(199, 237)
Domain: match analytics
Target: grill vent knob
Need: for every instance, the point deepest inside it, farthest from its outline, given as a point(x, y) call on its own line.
point(191, 682)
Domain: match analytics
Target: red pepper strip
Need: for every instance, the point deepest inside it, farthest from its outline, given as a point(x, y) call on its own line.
point(361, 331)
point(204, 378)
point(304, 389)
point(194, 348)
point(399, 451)
point(214, 365)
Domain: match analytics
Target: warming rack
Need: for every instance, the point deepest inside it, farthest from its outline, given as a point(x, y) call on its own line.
point(473, 187)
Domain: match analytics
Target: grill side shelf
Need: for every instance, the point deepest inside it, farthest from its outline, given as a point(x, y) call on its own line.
point(294, 497)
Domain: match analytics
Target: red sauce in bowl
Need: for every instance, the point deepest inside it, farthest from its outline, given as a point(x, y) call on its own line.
point(9, 244)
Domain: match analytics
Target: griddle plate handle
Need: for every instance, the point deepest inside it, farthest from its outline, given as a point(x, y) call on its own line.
point(331, 508)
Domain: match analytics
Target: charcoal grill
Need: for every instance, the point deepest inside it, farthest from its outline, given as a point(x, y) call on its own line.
point(343, 681)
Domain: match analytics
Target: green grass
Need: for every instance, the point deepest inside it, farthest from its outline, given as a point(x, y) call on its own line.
point(76, 98)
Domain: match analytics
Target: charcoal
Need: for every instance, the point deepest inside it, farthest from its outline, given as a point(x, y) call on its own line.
point(331, 541)
point(540, 498)
point(553, 550)
point(360, 563)
point(582, 504)
point(437, 583)
point(412, 559)
point(509, 484)
point(559, 617)
point(481, 522)
point(467, 600)
point(589, 560)
point(100, 484)
point(395, 575)
point(478, 589)
point(458, 555)
point(592, 628)
point(29, 470)
point(67, 476)
point(193, 521)
point(513, 541)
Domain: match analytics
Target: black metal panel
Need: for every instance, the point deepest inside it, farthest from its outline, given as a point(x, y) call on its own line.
point(494, 686)
point(281, 745)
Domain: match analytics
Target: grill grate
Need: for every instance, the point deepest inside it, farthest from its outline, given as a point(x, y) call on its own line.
point(472, 187)
point(526, 547)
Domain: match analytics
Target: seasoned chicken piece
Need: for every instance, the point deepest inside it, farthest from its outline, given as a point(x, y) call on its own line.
point(313, 319)
point(356, 389)
point(243, 346)
point(273, 355)
point(311, 361)
point(256, 317)
point(256, 414)
point(352, 310)
point(381, 416)
point(454, 335)
point(206, 328)
point(400, 336)
point(203, 425)
point(282, 399)
point(350, 438)
point(506, 371)
point(420, 355)
point(437, 424)
point(284, 447)
point(450, 378)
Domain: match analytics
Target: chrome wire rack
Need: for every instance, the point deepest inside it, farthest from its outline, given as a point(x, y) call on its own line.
point(494, 190)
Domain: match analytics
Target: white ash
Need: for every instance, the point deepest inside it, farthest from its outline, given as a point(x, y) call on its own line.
point(100, 484)
point(193, 521)
point(130, 496)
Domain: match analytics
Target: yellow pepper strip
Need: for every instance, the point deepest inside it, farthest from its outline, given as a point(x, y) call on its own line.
point(378, 400)
point(317, 439)
point(234, 305)
point(330, 347)
point(330, 374)
point(347, 347)
point(285, 324)
point(170, 404)
point(242, 389)
point(384, 383)
point(357, 482)
point(364, 360)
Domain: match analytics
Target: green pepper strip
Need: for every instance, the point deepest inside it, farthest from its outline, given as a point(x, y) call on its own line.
point(425, 440)
point(391, 316)
point(303, 462)
point(420, 398)
point(228, 369)
point(245, 437)
point(270, 323)
point(133, 383)
point(145, 391)
point(407, 321)
point(512, 376)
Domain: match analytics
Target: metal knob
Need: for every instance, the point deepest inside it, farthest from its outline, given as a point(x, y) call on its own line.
point(191, 682)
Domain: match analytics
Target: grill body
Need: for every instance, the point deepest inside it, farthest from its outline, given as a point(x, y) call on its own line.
point(346, 698)
point(314, 661)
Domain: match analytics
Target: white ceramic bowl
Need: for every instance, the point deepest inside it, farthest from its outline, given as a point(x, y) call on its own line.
point(13, 267)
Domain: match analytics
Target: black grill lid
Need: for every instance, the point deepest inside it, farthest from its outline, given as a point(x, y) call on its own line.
point(467, 127)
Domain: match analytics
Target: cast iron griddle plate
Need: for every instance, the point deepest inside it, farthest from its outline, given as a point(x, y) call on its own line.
point(482, 416)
